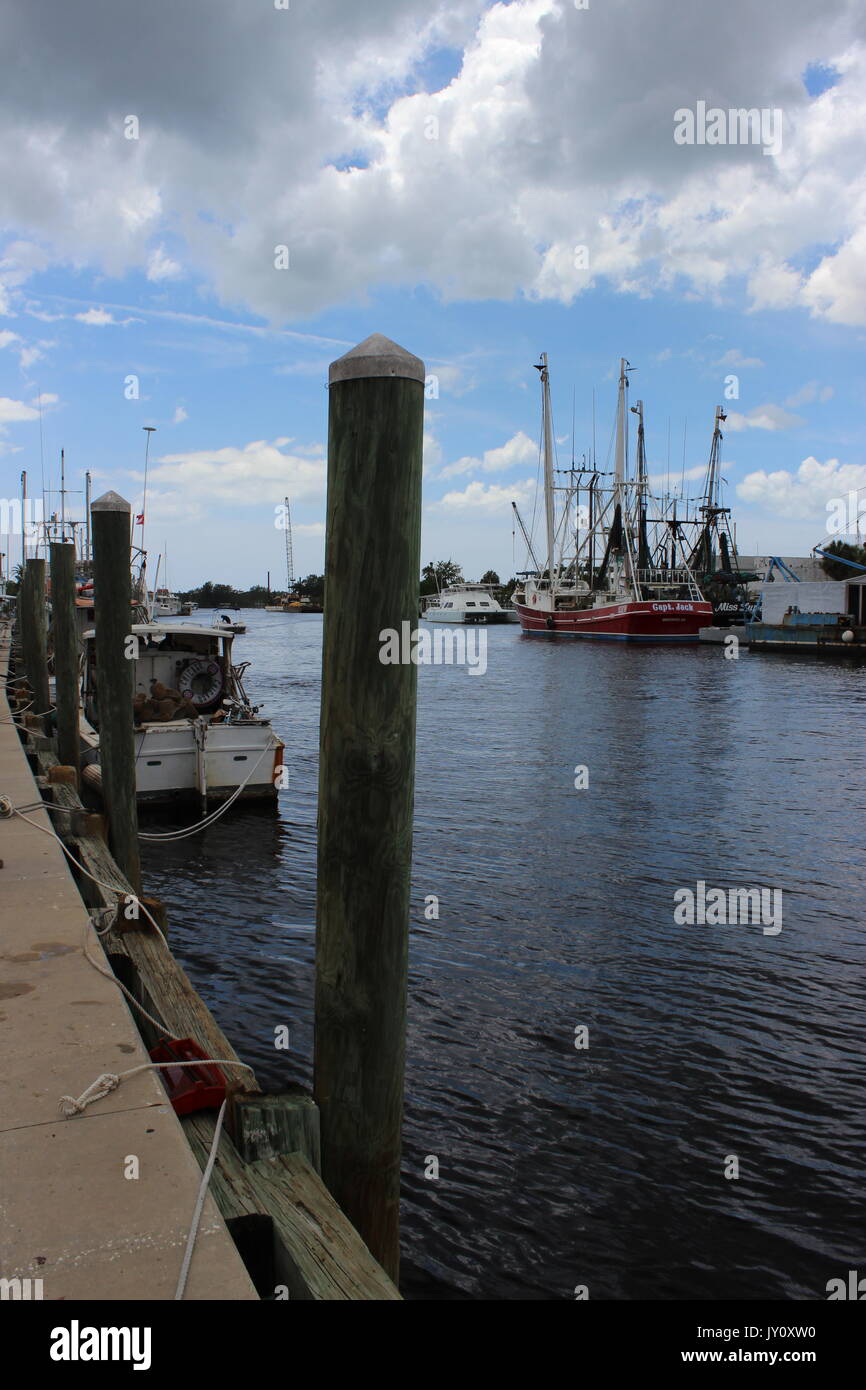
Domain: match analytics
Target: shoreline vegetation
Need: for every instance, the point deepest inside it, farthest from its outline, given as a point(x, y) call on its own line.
point(435, 576)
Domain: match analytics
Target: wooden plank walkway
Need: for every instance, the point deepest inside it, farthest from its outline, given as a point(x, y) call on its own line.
point(69, 1215)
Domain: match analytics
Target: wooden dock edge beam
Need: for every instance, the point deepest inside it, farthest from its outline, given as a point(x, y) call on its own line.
point(288, 1229)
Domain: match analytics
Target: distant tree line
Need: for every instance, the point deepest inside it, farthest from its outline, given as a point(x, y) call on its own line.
point(211, 595)
point(435, 576)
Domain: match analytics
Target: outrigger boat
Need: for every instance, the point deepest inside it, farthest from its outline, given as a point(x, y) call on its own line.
point(196, 733)
point(610, 570)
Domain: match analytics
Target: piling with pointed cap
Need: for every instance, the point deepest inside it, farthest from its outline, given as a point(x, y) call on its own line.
point(65, 630)
point(366, 782)
point(112, 598)
point(34, 644)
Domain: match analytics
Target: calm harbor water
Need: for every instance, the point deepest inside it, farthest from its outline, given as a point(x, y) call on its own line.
point(604, 1166)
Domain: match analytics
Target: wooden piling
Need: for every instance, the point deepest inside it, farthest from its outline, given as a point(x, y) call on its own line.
point(112, 597)
point(366, 782)
point(34, 644)
point(66, 653)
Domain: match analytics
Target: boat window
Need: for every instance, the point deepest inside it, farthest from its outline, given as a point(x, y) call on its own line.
point(449, 604)
point(470, 603)
point(484, 603)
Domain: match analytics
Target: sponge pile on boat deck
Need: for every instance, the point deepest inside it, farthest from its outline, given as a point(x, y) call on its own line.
point(161, 705)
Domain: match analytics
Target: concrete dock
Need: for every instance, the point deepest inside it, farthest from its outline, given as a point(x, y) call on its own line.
point(71, 1214)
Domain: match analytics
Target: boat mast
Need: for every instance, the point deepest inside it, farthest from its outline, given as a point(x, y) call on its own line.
point(621, 433)
point(642, 485)
point(23, 521)
point(713, 470)
point(547, 431)
point(704, 551)
point(621, 521)
point(87, 554)
point(142, 573)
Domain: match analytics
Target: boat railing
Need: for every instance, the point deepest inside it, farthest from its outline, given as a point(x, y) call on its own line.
point(669, 579)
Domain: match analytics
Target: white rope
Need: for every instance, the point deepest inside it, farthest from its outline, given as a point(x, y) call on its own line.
point(199, 1203)
point(208, 820)
point(109, 1081)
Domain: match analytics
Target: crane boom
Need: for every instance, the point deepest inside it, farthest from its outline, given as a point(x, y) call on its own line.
point(290, 562)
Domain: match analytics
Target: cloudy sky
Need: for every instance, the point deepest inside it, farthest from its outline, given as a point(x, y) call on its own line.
point(480, 182)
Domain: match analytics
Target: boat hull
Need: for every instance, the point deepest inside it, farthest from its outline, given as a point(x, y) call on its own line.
point(171, 763)
point(675, 620)
point(469, 619)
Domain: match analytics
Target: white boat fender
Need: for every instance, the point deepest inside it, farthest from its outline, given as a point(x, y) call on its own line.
point(201, 682)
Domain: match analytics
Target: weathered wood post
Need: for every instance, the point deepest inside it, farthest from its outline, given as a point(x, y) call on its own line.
point(65, 652)
point(34, 645)
point(112, 598)
point(366, 782)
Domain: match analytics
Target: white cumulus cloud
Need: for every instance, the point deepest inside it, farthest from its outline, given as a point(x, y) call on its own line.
point(805, 493)
point(763, 417)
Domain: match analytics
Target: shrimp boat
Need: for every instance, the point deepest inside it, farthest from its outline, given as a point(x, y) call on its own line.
point(196, 733)
point(613, 571)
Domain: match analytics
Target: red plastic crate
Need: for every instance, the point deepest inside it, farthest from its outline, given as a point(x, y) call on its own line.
point(189, 1088)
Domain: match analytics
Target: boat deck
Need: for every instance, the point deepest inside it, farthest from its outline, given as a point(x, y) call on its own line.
point(68, 1214)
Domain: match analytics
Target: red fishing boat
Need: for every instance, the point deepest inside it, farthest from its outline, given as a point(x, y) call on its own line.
point(624, 579)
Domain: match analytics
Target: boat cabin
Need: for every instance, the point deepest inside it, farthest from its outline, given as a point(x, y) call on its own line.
point(179, 672)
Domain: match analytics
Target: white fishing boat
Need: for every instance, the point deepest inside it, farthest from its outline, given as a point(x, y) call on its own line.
point(196, 734)
point(164, 604)
point(467, 603)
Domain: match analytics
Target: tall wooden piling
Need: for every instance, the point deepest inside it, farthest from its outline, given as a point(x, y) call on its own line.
point(34, 644)
point(65, 631)
point(366, 781)
point(112, 597)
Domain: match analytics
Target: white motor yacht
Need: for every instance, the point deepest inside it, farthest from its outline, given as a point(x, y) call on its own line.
point(467, 603)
